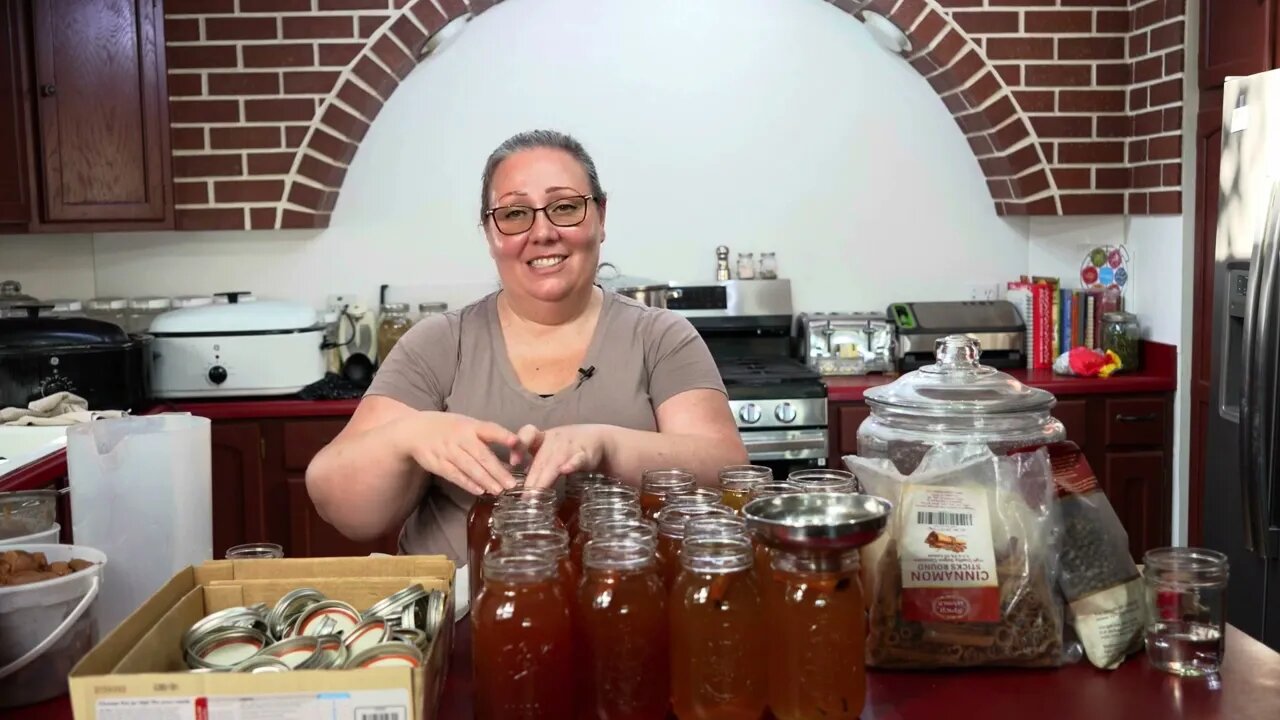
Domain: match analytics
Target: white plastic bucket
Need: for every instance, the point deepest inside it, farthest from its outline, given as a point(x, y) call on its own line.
point(46, 627)
point(44, 537)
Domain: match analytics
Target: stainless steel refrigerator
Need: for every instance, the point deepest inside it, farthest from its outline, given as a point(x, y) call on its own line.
point(1241, 502)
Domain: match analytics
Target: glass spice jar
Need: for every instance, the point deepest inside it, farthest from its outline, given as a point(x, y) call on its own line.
point(622, 610)
point(746, 266)
point(817, 663)
point(427, 309)
point(1122, 335)
point(736, 482)
point(392, 325)
point(523, 659)
point(717, 647)
point(768, 266)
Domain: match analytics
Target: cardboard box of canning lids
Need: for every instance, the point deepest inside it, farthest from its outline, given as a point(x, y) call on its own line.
point(138, 670)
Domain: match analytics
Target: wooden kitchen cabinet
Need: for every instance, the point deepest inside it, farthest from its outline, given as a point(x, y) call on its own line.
point(1235, 38)
point(1127, 439)
point(84, 116)
point(15, 199)
point(260, 492)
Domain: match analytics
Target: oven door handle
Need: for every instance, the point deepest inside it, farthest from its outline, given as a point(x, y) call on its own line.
point(785, 444)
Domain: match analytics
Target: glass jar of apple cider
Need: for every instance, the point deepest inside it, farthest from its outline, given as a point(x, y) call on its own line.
point(693, 496)
point(595, 511)
point(671, 532)
point(523, 644)
point(624, 661)
point(478, 519)
point(507, 517)
point(548, 542)
point(575, 487)
point(764, 561)
point(717, 642)
point(816, 663)
point(736, 482)
point(655, 484)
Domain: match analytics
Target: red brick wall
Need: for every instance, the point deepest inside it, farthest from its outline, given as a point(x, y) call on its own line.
point(1070, 106)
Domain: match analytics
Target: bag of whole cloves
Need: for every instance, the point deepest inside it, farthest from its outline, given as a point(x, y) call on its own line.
point(965, 573)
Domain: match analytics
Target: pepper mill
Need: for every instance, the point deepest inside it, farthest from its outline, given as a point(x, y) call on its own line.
point(722, 263)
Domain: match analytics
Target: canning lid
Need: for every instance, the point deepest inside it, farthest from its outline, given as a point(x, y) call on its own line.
point(296, 652)
point(232, 617)
point(283, 616)
point(226, 647)
point(373, 631)
point(412, 636)
point(262, 663)
point(388, 654)
point(328, 617)
point(330, 654)
point(393, 605)
point(957, 384)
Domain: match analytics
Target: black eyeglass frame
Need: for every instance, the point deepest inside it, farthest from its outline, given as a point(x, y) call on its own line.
point(533, 213)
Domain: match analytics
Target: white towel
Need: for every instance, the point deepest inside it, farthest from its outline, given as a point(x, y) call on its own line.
point(61, 408)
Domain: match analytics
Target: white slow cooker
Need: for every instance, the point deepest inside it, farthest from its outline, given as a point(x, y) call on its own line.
point(263, 347)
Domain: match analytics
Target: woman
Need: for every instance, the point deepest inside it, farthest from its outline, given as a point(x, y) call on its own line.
point(551, 373)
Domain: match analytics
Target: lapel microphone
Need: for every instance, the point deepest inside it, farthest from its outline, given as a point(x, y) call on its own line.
point(584, 374)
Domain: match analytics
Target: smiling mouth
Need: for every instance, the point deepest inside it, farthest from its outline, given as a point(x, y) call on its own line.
point(546, 262)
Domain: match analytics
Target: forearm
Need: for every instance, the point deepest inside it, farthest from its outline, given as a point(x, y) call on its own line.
point(628, 453)
point(366, 484)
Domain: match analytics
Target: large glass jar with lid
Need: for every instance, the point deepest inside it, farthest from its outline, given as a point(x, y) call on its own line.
point(392, 326)
point(954, 401)
point(427, 309)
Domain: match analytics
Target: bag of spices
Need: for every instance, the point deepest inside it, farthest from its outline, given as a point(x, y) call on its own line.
point(1097, 575)
point(965, 572)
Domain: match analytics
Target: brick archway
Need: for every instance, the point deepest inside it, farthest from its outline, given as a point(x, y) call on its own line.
point(996, 129)
point(1068, 109)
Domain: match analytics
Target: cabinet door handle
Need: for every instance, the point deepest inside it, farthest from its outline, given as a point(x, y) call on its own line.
point(1149, 417)
point(48, 90)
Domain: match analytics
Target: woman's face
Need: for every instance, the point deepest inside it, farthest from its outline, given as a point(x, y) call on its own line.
point(546, 261)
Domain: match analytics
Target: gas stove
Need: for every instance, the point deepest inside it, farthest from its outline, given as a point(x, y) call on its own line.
point(778, 402)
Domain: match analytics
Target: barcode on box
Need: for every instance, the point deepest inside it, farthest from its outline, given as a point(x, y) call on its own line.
point(943, 518)
point(381, 714)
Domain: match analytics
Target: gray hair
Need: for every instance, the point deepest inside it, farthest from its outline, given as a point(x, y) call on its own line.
point(530, 140)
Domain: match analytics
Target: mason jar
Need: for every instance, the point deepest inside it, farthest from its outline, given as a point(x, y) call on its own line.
point(955, 401)
point(1122, 335)
point(1186, 606)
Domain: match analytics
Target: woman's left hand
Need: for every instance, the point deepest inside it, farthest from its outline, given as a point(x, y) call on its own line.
point(560, 451)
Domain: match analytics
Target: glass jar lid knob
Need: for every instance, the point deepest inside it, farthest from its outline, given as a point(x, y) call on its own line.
point(957, 354)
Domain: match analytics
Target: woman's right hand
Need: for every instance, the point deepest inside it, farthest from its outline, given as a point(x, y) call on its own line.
point(456, 447)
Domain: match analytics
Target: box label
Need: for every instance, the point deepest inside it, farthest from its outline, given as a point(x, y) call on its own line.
point(947, 555)
point(389, 704)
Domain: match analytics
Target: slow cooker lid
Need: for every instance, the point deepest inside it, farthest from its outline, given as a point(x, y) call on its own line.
point(236, 318)
point(47, 332)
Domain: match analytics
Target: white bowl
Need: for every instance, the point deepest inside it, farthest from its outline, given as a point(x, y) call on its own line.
point(45, 537)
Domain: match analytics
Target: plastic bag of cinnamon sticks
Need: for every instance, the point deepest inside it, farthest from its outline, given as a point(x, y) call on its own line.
point(966, 571)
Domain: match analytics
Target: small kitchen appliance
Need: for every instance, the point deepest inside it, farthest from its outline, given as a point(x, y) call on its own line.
point(996, 325)
point(846, 343)
point(778, 402)
point(266, 347)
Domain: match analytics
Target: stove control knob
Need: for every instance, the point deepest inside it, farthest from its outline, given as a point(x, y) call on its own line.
point(749, 413)
point(217, 374)
point(786, 412)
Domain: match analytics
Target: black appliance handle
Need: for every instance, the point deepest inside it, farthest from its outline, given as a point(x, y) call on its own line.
point(1261, 340)
point(1149, 417)
point(232, 297)
point(32, 309)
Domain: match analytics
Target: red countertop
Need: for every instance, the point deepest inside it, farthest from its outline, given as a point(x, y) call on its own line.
point(1250, 691)
point(1159, 373)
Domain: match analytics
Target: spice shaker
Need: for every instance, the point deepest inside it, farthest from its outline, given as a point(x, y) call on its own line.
point(746, 266)
point(722, 264)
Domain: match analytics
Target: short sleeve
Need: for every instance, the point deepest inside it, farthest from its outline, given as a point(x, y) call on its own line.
point(419, 370)
point(678, 358)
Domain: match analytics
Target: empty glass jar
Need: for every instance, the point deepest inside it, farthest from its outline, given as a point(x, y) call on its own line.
point(1186, 609)
point(955, 401)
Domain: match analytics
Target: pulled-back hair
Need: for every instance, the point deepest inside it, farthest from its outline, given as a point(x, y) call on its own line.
point(530, 140)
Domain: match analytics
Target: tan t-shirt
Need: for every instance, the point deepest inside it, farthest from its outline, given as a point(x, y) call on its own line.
point(457, 362)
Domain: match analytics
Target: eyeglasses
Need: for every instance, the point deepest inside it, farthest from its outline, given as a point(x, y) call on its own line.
point(561, 212)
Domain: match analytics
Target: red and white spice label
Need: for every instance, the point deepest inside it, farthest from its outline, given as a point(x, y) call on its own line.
point(947, 555)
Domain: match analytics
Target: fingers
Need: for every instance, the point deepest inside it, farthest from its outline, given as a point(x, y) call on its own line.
point(528, 440)
point(450, 472)
point(469, 459)
point(488, 463)
point(577, 462)
point(496, 434)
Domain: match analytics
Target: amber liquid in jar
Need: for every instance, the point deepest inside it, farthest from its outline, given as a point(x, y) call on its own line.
point(818, 616)
point(548, 542)
point(717, 633)
point(764, 556)
point(654, 486)
point(576, 486)
point(672, 522)
point(622, 625)
point(594, 512)
point(736, 482)
point(523, 641)
point(478, 520)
